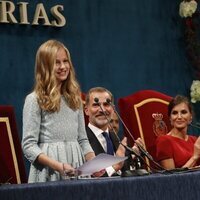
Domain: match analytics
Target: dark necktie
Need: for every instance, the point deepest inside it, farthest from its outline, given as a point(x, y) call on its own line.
point(109, 143)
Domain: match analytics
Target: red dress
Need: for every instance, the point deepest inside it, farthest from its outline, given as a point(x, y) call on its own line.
point(172, 147)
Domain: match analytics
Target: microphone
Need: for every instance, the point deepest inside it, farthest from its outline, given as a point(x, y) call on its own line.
point(96, 100)
point(145, 152)
point(128, 148)
point(139, 146)
point(136, 172)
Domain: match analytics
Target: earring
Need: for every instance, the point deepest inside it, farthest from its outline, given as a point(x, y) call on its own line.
point(190, 121)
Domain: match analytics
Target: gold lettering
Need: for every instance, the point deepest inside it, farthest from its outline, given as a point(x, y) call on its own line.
point(40, 13)
point(56, 12)
point(9, 14)
point(6, 12)
point(23, 12)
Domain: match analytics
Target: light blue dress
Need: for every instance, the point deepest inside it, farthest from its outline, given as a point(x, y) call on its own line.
point(60, 135)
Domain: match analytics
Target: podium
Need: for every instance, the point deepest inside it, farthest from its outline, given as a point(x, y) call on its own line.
point(12, 168)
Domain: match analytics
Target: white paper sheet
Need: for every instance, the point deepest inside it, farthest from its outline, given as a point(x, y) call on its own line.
point(100, 162)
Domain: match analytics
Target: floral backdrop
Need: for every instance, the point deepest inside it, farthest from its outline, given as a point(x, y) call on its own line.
point(188, 10)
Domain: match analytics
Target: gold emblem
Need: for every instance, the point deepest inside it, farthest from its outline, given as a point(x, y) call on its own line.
point(159, 126)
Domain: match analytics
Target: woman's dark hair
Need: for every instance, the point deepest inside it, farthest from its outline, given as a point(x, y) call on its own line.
point(177, 100)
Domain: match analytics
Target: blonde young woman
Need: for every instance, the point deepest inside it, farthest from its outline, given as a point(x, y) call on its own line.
point(177, 149)
point(54, 137)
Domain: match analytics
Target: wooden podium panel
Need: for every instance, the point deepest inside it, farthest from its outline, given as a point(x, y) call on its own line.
point(12, 167)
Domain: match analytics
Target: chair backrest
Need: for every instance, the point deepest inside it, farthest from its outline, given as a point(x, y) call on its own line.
point(145, 115)
point(12, 168)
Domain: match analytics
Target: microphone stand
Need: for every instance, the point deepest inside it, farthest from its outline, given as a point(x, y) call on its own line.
point(127, 173)
point(144, 152)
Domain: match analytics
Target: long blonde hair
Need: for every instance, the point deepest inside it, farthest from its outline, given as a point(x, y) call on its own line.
point(46, 89)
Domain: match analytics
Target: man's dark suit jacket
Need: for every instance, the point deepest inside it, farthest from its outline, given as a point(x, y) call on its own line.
point(97, 148)
point(96, 145)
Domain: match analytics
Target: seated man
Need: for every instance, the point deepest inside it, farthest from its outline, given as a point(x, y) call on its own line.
point(101, 139)
point(114, 123)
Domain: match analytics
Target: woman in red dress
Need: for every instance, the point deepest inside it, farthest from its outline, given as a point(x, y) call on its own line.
point(177, 149)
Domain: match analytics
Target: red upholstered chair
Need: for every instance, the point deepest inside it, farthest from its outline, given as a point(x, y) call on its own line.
point(12, 167)
point(145, 115)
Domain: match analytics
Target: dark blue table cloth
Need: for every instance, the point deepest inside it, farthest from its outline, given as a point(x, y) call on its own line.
point(156, 186)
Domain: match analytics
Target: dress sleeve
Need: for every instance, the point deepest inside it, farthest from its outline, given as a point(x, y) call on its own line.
point(82, 136)
point(164, 148)
point(31, 128)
